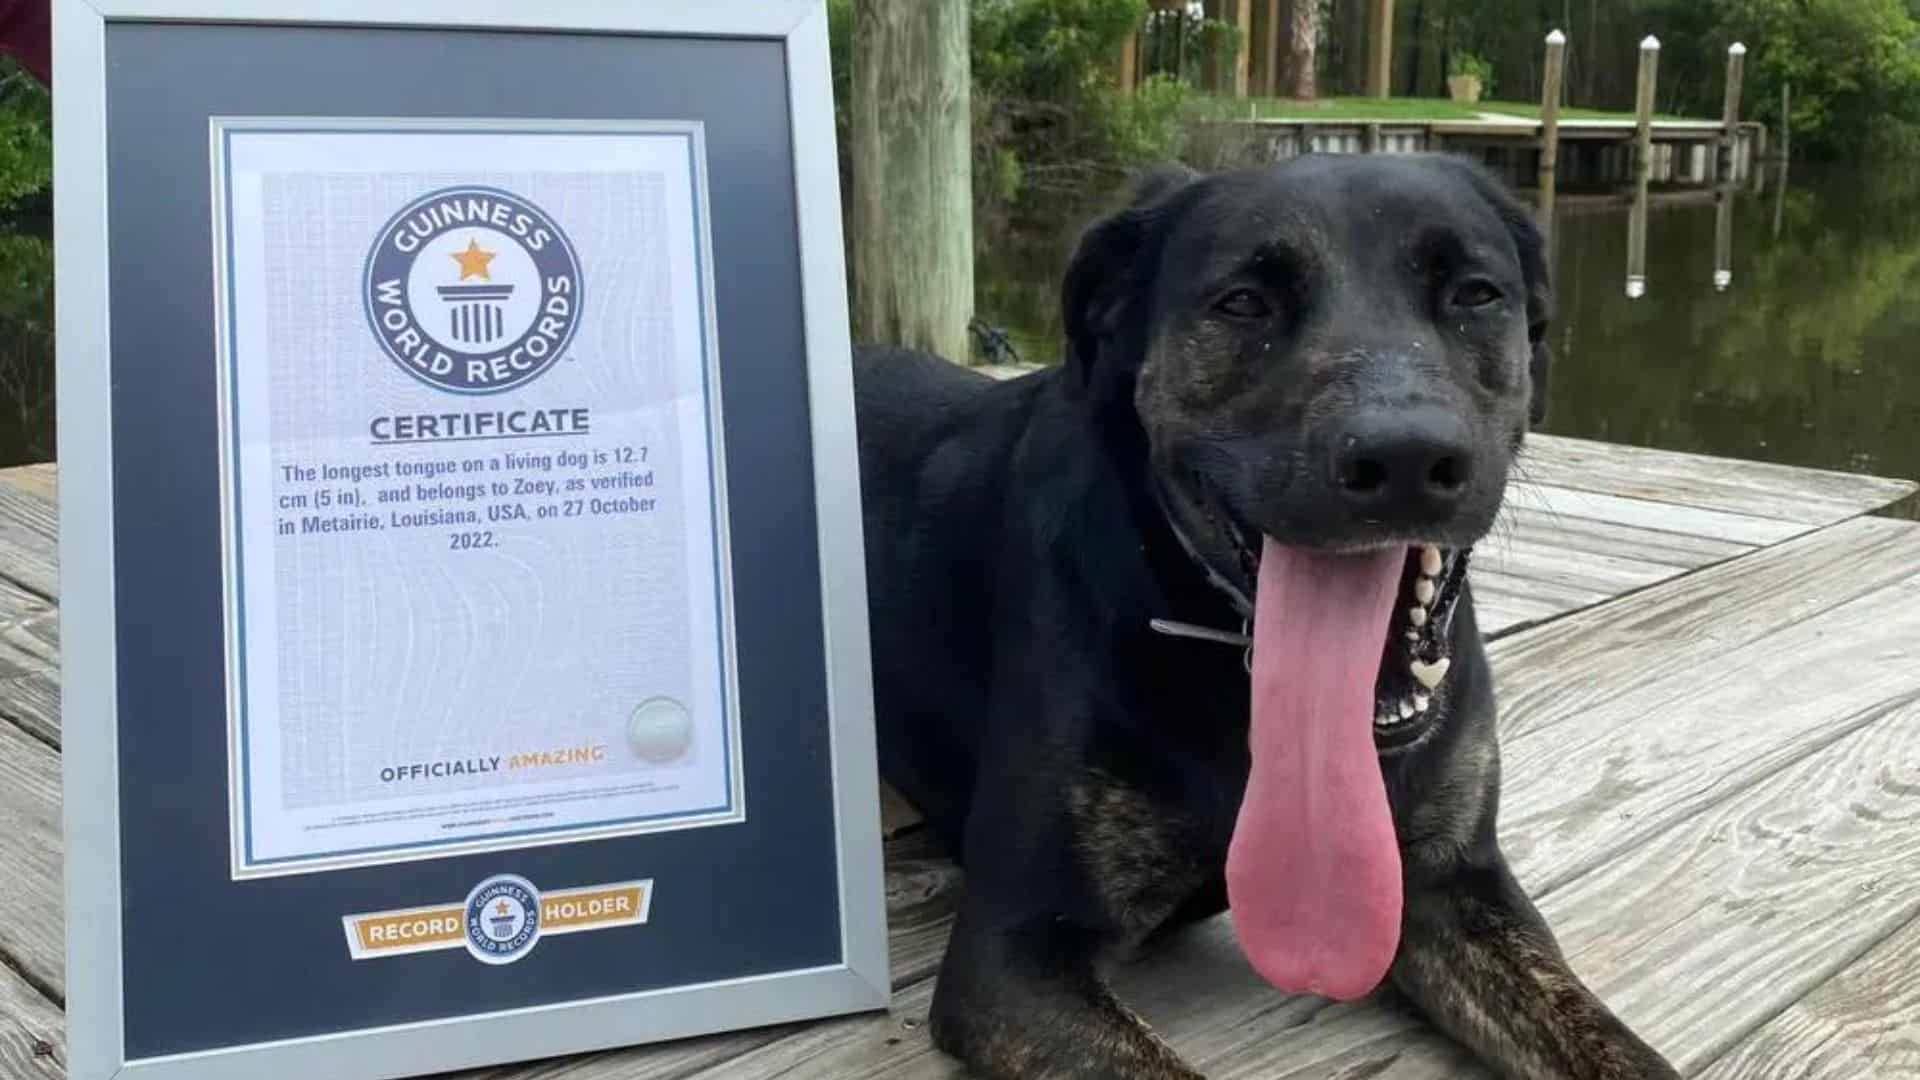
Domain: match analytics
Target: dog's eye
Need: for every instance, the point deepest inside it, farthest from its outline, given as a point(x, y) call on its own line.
point(1477, 293)
point(1243, 304)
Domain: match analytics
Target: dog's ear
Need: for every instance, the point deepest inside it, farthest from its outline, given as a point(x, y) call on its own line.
point(1111, 270)
point(1529, 243)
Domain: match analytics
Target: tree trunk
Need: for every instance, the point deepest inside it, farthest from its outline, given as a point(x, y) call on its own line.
point(1351, 43)
point(1212, 78)
point(1303, 38)
point(912, 174)
point(1380, 49)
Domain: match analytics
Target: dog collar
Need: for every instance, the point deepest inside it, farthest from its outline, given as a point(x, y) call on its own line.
point(1429, 624)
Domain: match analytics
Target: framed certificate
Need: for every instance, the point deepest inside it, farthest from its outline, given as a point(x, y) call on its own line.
point(463, 599)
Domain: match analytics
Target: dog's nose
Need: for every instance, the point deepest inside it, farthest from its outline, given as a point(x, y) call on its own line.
point(1402, 464)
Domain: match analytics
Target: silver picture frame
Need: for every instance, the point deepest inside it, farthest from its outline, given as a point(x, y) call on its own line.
point(95, 990)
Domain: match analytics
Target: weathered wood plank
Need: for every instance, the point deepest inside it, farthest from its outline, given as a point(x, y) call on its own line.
point(29, 662)
point(1863, 1022)
point(29, 550)
point(1505, 609)
point(33, 1041)
point(1764, 489)
point(1530, 560)
point(35, 480)
point(1575, 537)
point(1674, 630)
point(1640, 715)
point(1572, 504)
point(31, 934)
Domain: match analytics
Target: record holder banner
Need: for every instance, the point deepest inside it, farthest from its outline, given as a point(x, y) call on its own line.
point(463, 598)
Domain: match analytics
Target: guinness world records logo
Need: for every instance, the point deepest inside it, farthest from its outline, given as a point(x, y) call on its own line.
point(502, 917)
point(473, 290)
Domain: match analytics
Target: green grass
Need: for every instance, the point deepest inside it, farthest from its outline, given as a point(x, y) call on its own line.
point(1567, 112)
point(1407, 110)
point(1349, 108)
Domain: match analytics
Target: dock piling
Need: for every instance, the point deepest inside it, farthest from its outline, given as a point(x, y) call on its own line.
point(1550, 119)
point(1642, 167)
point(1726, 163)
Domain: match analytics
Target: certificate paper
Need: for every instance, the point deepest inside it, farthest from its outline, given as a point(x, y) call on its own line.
point(475, 539)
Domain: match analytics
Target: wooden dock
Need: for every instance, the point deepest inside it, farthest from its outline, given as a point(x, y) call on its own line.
point(1710, 684)
point(1595, 153)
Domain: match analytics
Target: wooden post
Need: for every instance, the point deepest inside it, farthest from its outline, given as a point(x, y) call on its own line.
point(1242, 12)
point(1303, 43)
point(1642, 167)
point(1723, 238)
point(1380, 50)
point(1726, 160)
point(1127, 75)
point(910, 128)
point(1556, 66)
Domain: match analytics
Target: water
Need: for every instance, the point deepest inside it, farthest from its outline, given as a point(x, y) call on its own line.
point(1810, 357)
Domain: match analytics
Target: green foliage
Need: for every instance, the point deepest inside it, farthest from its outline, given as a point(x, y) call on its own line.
point(1466, 63)
point(1048, 50)
point(1047, 116)
point(26, 135)
point(1854, 65)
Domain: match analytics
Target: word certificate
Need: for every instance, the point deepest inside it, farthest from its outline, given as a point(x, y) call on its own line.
point(474, 504)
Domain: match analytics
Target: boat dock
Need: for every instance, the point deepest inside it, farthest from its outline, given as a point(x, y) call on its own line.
point(1709, 674)
point(1594, 153)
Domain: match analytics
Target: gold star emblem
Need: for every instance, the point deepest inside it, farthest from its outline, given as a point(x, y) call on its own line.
point(473, 261)
point(502, 908)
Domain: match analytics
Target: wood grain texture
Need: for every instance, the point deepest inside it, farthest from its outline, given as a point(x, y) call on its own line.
point(29, 548)
point(1790, 493)
point(910, 145)
point(29, 662)
point(31, 933)
point(33, 1043)
point(1573, 504)
point(1619, 722)
point(1863, 1022)
point(36, 480)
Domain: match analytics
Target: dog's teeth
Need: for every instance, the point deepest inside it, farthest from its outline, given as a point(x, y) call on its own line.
point(1430, 560)
point(1431, 674)
point(1383, 721)
point(1421, 702)
point(1417, 616)
point(1406, 710)
point(1413, 635)
point(1423, 590)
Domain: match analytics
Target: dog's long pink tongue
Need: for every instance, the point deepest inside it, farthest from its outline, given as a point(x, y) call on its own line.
point(1313, 872)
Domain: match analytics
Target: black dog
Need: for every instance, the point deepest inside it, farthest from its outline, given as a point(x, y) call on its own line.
point(1290, 399)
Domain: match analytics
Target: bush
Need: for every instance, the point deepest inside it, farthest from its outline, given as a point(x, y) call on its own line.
point(1466, 63)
